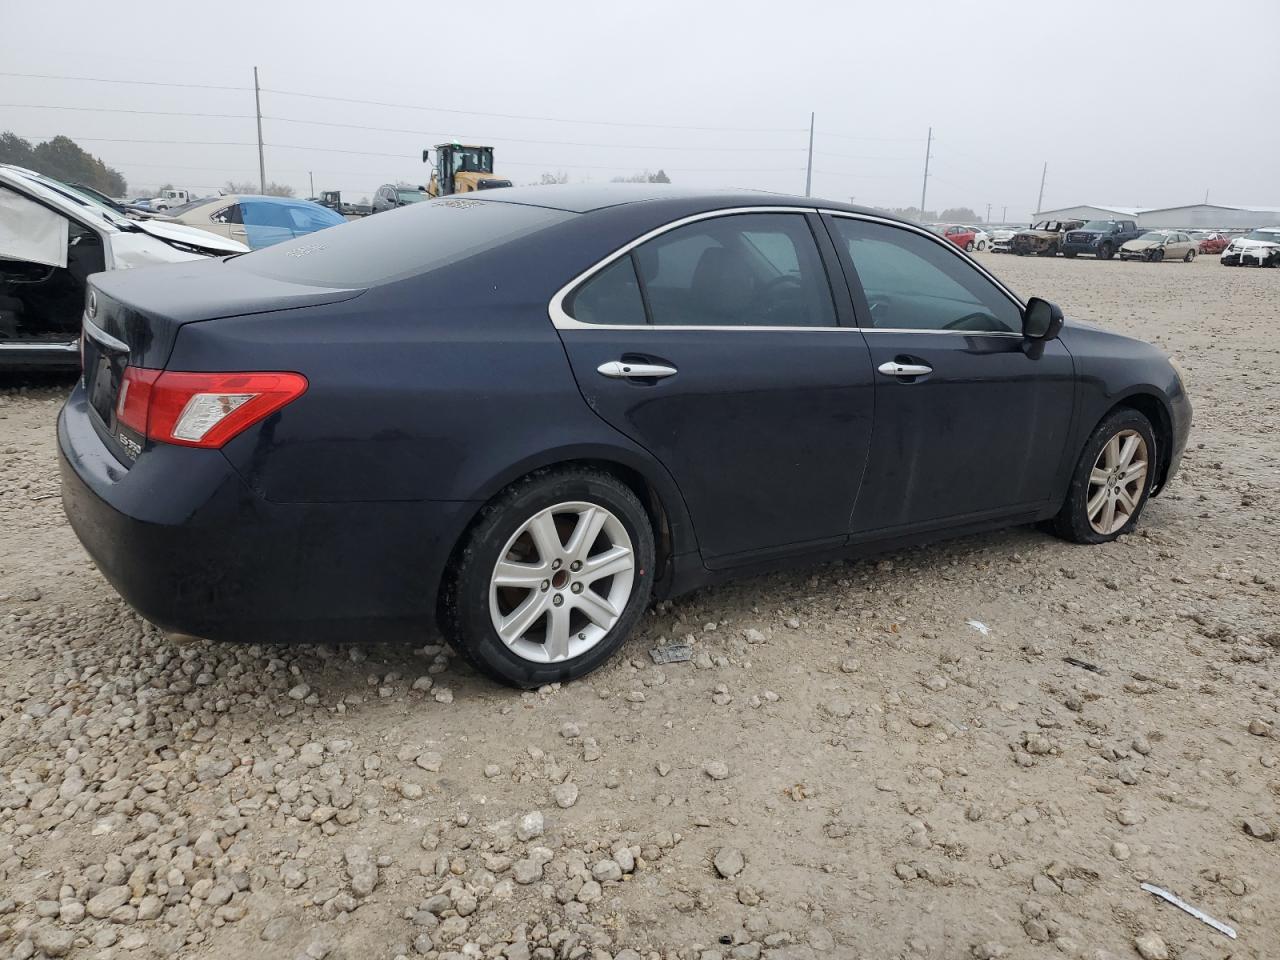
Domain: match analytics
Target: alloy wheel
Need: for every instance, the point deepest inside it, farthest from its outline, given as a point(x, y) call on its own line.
point(561, 582)
point(1117, 482)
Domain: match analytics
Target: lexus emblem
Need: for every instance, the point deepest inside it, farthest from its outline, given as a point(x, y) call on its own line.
point(92, 310)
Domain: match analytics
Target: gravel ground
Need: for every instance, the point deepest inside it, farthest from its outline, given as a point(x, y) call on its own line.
point(846, 769)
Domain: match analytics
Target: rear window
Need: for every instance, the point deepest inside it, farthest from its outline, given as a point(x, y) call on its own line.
point(400, 243)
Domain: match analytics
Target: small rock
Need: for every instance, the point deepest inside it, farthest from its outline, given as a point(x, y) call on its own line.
point(54, 941)
point(530, 825)
point(729, 862)
point(607, 870)
point(299, 692)
point(1151, 947)
point(1259, 829)
point(716, 769)
point(565, 794)
point(275, 928)
point(102, 905)
point(1120, 850)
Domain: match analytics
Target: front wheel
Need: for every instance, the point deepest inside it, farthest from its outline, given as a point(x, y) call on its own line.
point(1111, 482)
point(552, 578)
point(1106, 252)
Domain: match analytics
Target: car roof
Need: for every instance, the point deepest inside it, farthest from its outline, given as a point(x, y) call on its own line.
point(589, 197)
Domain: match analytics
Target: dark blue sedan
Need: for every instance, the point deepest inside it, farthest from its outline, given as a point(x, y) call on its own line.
point(520, 416)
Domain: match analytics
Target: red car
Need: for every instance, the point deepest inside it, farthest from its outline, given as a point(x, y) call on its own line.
point(962, 237)
point(1213, 243)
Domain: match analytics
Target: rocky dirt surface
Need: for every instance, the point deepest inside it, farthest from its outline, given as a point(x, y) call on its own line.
point(847, 768)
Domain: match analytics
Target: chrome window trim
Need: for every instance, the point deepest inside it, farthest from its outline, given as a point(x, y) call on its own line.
point(562, 321)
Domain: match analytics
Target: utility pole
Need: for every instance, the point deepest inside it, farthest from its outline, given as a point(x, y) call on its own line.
point(1206, 195)
point(262, 163)
point(988, 213)
point(1043, 174)
point(312, 176)
point(808, 173)
point(1004, 214)
point(924, 187)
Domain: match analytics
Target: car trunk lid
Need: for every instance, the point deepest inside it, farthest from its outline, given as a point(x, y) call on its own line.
point(132, 319)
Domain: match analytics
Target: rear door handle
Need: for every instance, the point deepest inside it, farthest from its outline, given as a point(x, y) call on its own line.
point(891, 368)
point(621, 369)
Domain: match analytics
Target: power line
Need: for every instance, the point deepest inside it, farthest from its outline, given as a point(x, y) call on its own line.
point(139, 83)
point(519, 116)
point(849, 136)
point(156, 113)
point(193, 143)
point(557, 143)
point(850, 156)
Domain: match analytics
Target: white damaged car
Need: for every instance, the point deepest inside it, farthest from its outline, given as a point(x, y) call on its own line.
point(52, 237)
point(1257, 248)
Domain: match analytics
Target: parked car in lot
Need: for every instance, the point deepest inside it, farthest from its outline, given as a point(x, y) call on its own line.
point(257, 221)
point(466, 415)
point(389, 196)
point(1257, 248)
point(981, 239)
point(52, 237)
point(966, 238)
point(1158, 245)
point(1099, 238)
point(1043, 239)
point(1210, 242)
point(1001, 239)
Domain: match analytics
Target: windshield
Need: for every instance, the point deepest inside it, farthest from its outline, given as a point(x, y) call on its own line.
point(410, 196)
point(1101, 226)
point(472, 160)
point(1268, 236)
point(180, 210)
point(92, 204)
point(1154, 235)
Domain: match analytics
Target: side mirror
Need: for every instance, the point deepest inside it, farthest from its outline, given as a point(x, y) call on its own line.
point(1041, 320)
point(426, 156)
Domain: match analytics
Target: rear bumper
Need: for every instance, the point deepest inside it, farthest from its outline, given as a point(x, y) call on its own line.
point(186, 542)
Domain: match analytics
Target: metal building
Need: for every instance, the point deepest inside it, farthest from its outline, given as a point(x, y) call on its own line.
point(1208, 215)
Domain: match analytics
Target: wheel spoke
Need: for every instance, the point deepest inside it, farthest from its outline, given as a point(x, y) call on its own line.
point(528, 576)
point(557, 639)
point(1095, 503)
point(599, 610)
point(546, 538)
point(590, 523)
point(1129, 449)
point(613, 561)
point(515, 624)
point(1109, 514)
point(1112, 452)
point(1135, 471)
point(1099, 476)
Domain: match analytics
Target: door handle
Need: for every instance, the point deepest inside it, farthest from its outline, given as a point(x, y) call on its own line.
point(891, 368)
point(238, 233)
point(621, 369)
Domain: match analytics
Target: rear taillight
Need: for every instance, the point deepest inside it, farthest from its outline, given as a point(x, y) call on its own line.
point(201, 409)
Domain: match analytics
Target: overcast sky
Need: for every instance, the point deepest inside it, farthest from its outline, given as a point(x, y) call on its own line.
point(1137, 104)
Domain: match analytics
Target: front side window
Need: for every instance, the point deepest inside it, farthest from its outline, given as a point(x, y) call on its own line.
point(914, 283)
point(753, 269)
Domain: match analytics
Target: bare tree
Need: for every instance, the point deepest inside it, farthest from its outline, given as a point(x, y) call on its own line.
point(560, 176)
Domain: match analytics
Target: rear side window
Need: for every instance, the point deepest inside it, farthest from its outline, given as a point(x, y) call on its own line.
point(411, 240)
point(612, 296)
point(739, 270)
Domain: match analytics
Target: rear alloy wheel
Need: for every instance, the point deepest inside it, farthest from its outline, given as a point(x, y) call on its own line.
point(1112, 480)
point(552, 579)
point(968, 247)
point(1191, 255)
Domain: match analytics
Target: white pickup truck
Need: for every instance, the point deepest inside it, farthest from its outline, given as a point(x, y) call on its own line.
point(169, 199)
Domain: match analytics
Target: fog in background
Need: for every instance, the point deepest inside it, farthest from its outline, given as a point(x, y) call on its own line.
point(1131, 104)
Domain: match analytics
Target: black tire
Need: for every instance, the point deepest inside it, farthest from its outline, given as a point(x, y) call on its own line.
point(1106, 252)
point(1072, 521)
point(1155, 256)
point(1191, 255)
point(464, 609)
point(968, 247)
point(1049, 251)
point(1069, 254)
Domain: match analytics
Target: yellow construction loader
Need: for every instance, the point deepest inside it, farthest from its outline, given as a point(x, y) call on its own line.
point(461, 169)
